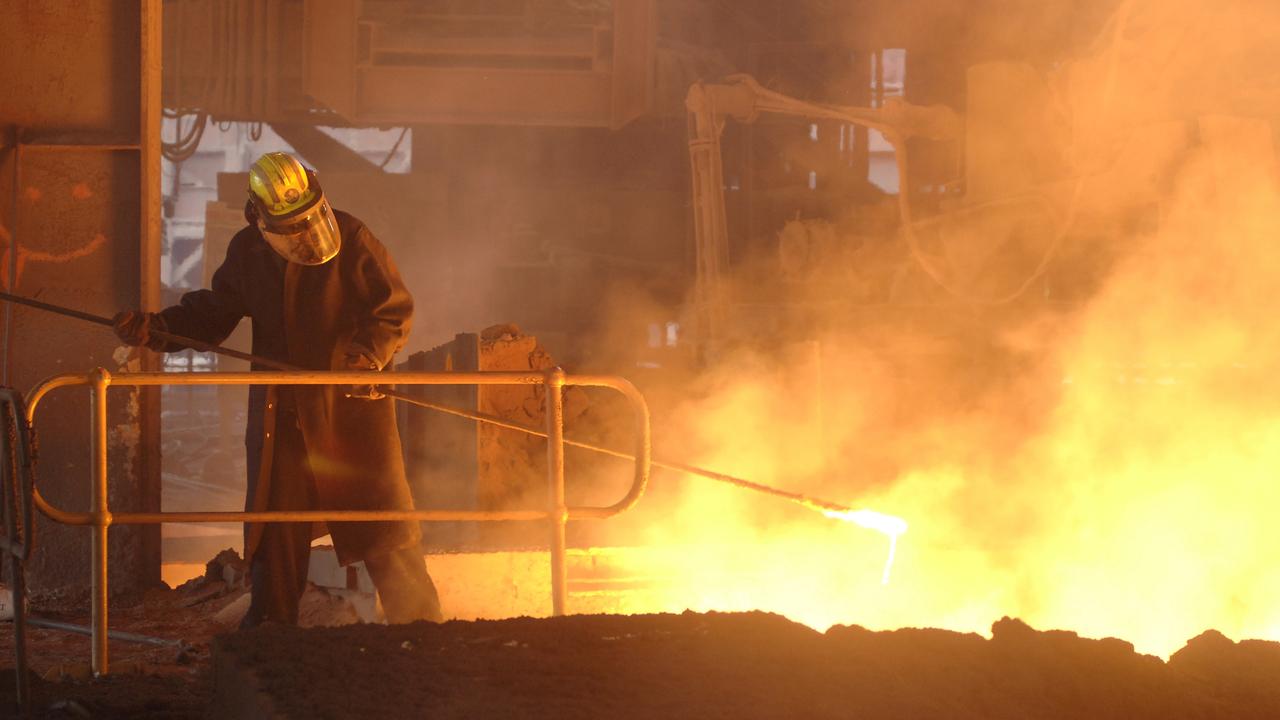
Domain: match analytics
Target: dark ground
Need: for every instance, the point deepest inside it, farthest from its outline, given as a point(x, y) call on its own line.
point(148, 681)
point(749, 665)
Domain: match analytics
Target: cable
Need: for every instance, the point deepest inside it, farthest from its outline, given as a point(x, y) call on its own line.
point(770, 101)
point(182, 140)
point(186, 145)
point(394, 148)
point(917, 253)
point(1115, 26)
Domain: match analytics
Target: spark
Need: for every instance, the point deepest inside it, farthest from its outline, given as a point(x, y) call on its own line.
point(888, 525)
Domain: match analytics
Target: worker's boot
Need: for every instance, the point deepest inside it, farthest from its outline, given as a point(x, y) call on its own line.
point(278, 574)
point(404, 586)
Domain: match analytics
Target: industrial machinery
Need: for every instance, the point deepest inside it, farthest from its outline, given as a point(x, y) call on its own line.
point(1058, 164)
point(1038, 198)
point(379, 63)
point(744, 100)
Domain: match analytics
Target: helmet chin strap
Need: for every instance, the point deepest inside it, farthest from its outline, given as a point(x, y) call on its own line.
point(250, 213)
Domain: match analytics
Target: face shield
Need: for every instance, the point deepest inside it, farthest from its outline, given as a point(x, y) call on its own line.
point(307, 234)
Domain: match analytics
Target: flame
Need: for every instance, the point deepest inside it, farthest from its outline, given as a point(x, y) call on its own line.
point(888, 525)
point(1115, 478)
point(1119, 487)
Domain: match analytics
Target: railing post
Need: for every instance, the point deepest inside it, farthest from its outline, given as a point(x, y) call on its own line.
point(99, 379)
point(559, 514)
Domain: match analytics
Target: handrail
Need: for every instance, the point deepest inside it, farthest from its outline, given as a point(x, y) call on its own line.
point(100, 517)
point(644, 446)
point(271, 377)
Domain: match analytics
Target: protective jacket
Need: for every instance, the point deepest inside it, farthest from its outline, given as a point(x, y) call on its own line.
point(314, 317)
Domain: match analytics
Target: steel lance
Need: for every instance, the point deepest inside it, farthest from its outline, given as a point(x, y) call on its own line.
point(170, 337)
point(824, 507)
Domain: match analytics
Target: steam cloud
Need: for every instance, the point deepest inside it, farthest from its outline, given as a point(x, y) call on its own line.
point(1106, 466)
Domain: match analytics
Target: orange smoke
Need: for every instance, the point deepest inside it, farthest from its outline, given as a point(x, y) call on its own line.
point(1121, 481)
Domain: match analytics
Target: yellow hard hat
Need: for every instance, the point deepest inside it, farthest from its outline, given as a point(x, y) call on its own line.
point(291, 210)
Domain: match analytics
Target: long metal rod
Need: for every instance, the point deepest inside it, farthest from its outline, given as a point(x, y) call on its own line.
point(56, 309)
point(168, 337)
point(559, 514)
point(82, 147)
point(310, 516)
point(149, 464)
point(811, 503)
point(101, 517)
point(114, 634)
point(801, 499)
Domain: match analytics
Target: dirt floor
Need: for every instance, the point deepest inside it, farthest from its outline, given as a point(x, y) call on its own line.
point(148, 681)
point(750, 665)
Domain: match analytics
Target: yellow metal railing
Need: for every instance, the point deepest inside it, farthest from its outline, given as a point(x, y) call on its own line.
point(100, 518)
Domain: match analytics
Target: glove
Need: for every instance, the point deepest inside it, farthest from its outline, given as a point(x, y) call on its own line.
point(137, 328)
point(360, 361)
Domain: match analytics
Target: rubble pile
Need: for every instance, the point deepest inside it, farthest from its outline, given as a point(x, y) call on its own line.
point(750, 665)
point(731, 665)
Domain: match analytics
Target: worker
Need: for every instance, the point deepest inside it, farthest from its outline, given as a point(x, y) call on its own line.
point(323, 294)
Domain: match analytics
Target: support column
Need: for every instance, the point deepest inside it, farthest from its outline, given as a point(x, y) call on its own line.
point(79, 223)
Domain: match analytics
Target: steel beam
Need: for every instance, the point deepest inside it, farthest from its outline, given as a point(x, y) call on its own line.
point(81, 187)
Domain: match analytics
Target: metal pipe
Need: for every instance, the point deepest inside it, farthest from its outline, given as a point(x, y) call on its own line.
point(73, 147)
point(56, 309)
point(555, 475)
point(318, 378)
point(308, 377)
point(33, 397)
point(167, 337)
point(643, 453)
point(266, 516)
point(639, 484)
point(643, 456)
point(114, 634)
point(100, 379)
point(292, 375)
point(151, 518)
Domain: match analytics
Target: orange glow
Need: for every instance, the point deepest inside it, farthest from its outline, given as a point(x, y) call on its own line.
point(1121, 479)
point(889, 525)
